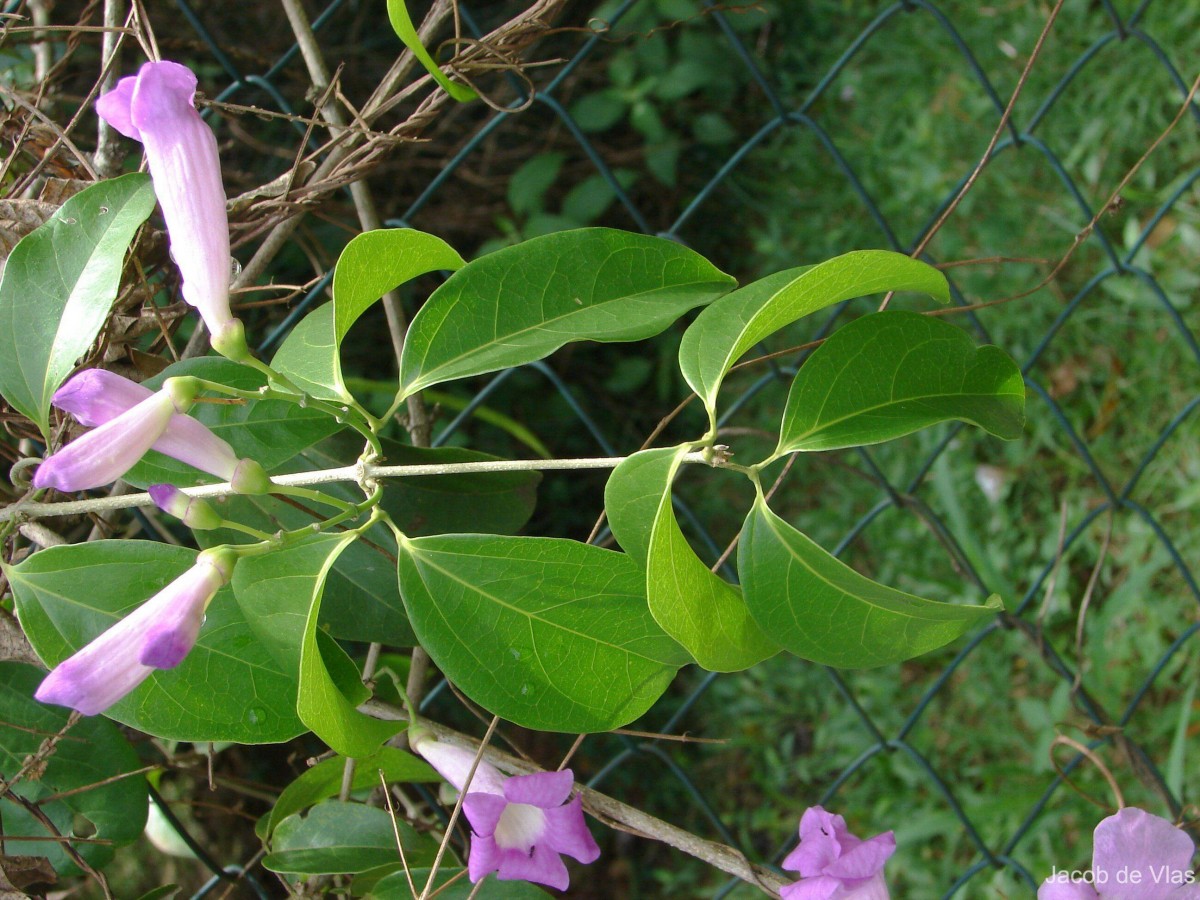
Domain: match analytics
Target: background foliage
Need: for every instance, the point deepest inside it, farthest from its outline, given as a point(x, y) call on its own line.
point(769, 136)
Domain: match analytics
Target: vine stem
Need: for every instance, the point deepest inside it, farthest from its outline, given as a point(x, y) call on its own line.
point(606, 809)
point(360, 472)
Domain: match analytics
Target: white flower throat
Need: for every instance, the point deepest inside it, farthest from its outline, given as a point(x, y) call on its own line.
point(520, 827)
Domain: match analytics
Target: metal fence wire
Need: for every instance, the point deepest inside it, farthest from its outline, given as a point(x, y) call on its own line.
point(913, 745)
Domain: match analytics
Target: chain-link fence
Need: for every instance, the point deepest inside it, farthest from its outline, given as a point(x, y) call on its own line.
point(1086, 519)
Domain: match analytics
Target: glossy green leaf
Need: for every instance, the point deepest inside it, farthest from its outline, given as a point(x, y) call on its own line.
point(309, 357)
point(324, 780)
point(372, 264)
point(280, 594)
point(522, 303)
point(892, 373)
point(819, 608)
point(548, 633)
point(395, 887)
point(698, 608)
point(344, 838)
point(403, 26)
point(229, 688)
point(269, 431)
point(94, 751)
point(58, 285)
point(362, 598)
point(723, 332)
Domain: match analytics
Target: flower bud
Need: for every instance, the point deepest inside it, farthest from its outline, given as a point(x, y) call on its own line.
point(250, 478)
point(230, 341)
point(157, 635)
point(192, 511)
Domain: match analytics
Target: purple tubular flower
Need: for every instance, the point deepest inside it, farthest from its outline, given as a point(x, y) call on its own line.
point(1136, 856)
point(105, 454)
point(834, 864)
point(520, 824)
point(157, 635)
point(156, 107)
point(96, 396)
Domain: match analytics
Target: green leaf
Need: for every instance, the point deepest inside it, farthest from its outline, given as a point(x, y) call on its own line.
point(364, 600)
point(395, 887)
point(324, 780)
point(58, 285)
point(722, 333)
point(528, 185)
point(309, 356)
point(269, 431)
point(548, 633)
point(280, 594)
point(229, 688)
point(403, 26)
point(892, 373)
point(522, 303)
point(372, 264)
point(599, 111)
point(94, 751)
point(699, 609)
point(344, 838)
point(819, 608)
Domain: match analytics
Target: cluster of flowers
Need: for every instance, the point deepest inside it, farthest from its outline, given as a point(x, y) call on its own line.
point(521, 825)
point(157, 108)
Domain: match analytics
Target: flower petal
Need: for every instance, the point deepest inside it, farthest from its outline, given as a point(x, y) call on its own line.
point(115, 108)
point(98, 675)
point(865, 859)
point(484, 857)
point(105, 454)
point(454, 763)
point(483, 811)
point(822, 887)
point(109, 667)
point(97, 396)
point(182, 154)
point(94, 396)
point(191, 442)
point(1133, 840)
point(566, 832)
point(1066, 890)
point(544, 789)
point(874, 888)
point(542, 866)
point(819, 842)
point(180, 614)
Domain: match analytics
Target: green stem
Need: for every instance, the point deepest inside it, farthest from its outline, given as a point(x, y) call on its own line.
point(245, 529)
point(350, 413)
point(316, 496)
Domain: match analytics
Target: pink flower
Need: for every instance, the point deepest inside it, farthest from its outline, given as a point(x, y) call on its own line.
point(1135, 856)
point(157, 108)
point(520, 824)
point(96, 396)
point(157, 635)
point(834, 864)
point(105, 454)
